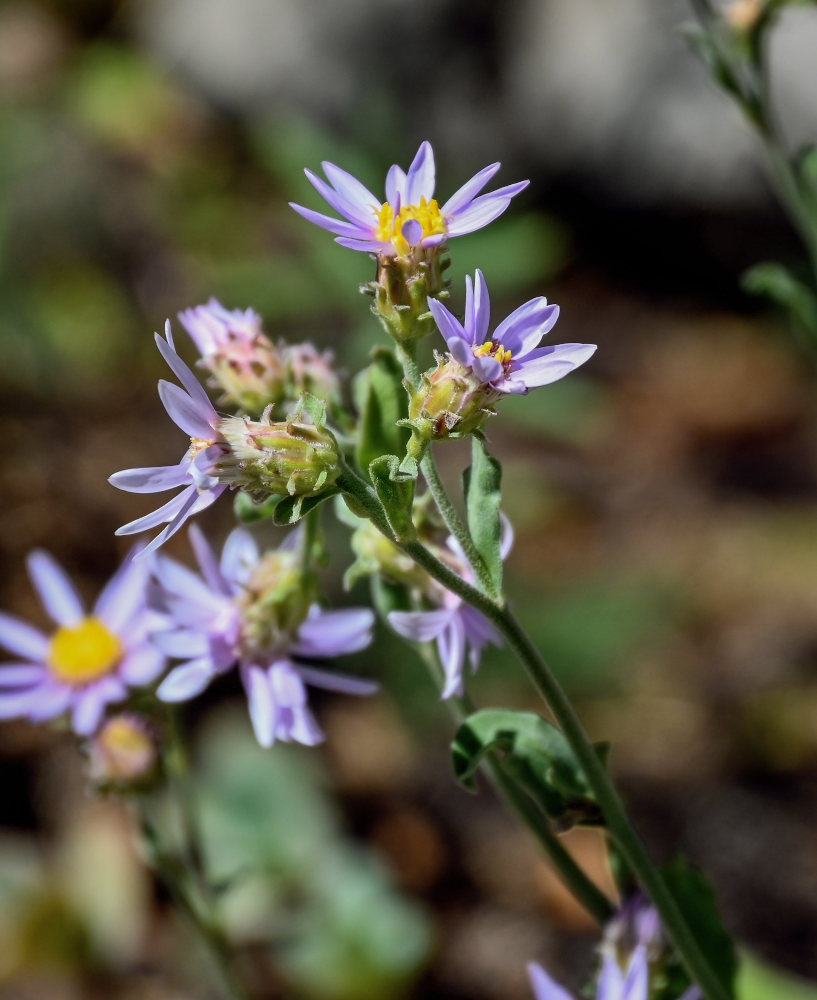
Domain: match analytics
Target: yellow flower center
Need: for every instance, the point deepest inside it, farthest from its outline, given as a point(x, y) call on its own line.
point(390, 226)
point(83, 653)
point(496, 351)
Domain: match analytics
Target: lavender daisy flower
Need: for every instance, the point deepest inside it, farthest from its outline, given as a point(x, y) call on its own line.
point(509, 360)
point(191, 410)
point(88, 661)
point(410, 216)
point(457, 627)
point(255, 612)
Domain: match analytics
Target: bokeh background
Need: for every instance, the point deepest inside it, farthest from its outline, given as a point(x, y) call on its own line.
point(665, 498)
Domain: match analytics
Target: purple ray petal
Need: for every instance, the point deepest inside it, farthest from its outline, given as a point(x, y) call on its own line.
point(124, 594)
point(20, 674)
point(548, 364)
point(17, 704)
point(239, 555)
point(435, 240)
point(479, 631)
point(87, 711)
point(57, 593)
point(184, 411)
point(208, 561)
point(49, 700)
point(412, 232)
point(449, 326)
point(178, 579)
point(636, 983)
point(261, 705)
point(451, 647)
point(611, 981)
point(369, 246)
point(181, 644)
point(469, 190)
point(142, 666)
point(544, 988)
point(337, 682)
point(420, 626)
point(184, 374)
point(482, 308)
point(461, 351)
point(333, 225)
point(420, 178)
point(303, 728)
point(486, 367)
point(468, 320)
point(186, 681)
point(164, 513)
point(350, 187)
point(395, 185)
point(153, 479)
point(21, 638)
point(531, 339)
point(522, 330)
point(334, 633)
point(478, 214)
point(348, 208)
point(194, 503)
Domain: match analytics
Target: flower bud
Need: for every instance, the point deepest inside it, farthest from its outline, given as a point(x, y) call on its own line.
point(268, 457)
point(275, 600)
point(450, 401)
point(402, 289)
point(123, 752)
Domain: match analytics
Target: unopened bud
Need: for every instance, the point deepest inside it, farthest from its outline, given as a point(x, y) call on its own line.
point(123, 752)
point(450, 401)
point(402, 289)
point(267, 457)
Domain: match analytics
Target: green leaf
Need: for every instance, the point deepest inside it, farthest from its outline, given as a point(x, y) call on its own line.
point(288, 510)
point(381, 400)
point(483, 496)
point(696, 900)
point(395, 490)
point(781, 286)
point(538, 756)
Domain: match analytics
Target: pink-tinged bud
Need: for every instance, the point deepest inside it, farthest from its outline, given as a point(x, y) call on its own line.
point(267, 457)
point(123, 752)
point(451, 401)
point(312, 371)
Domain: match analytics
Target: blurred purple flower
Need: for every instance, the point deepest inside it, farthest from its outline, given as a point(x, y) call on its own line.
point(457, 627)
point(613, 984)
point(509, 359)
point(89, 661)
point(224, 619)
point(410, 216)
point(212, 328)
point(191, 410)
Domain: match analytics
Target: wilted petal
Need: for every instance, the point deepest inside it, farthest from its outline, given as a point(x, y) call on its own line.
point(57, 593)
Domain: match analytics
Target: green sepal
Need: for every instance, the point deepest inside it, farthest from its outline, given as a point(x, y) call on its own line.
point(778, 283)
point(696, 900)
point(482, 484)
point(381, 401)
point(537, 755)
point(395, 490)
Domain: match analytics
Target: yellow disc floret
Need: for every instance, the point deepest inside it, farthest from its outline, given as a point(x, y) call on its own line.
point(80, 654)
point(390, 226)
point(496, 351)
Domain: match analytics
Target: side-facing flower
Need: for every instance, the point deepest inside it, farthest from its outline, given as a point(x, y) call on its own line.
point(191, 410)
point(255, 612)
point(88, 661)
point(242, 361)
point(456, 626)
point(410, 216)
point(508, 360)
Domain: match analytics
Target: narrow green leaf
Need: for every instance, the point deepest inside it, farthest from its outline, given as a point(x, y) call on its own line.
point(537, 754)
point(288, 510)
point(483, 496)
point(381, 400)
point(781, 286)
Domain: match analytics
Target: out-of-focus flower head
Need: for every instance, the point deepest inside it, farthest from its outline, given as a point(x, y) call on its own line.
point(613, 984)
point(123, 753)
point(242, 361)
point(88, 661)
point(197, 474)
point(457, 628)
point(410, 217)
point(256, 612)
point(310, 370)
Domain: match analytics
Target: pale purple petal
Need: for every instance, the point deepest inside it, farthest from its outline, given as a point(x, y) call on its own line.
point(395, 185)
point(451, 647)
point(21, 638)
point(196, 502)
point(239, 555)
point(185, 412)
point(261, 705)
point(186, 681)
point(479, 633)
point(333, 225)
point(506, 535)
point(20, 674)
point(181, 644)
point(334, 633)
point(124, 593)
point(412, 232)
point(184, 374)
point(420, 626)
point(369, 246)
point(420, 178)
point(482, 309)
point(486, 367)
point(353, 211)
point(478, 214)
point(16, 704)
point(208, 561)
point(164, 513)
point(636, 984)
point(461, 351)
point(48, 701)
point(512, 387)
point(522, 324)
point(449, 326)
point(469, 190)
point(337, 682)
point(88, 709)
point(611, 979)
point(178, 579)
point(350, 187)
point(434, 240)
point(544, 988)
point(293, 719)
point(153, 479)
point(468, 319)
point(142, 666)
point(57, 593)
point(548, 364)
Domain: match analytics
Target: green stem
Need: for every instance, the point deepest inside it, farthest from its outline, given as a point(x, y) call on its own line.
point(615, 815)
point(583, 888)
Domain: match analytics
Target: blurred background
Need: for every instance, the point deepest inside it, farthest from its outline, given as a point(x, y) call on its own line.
point(665, 498)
